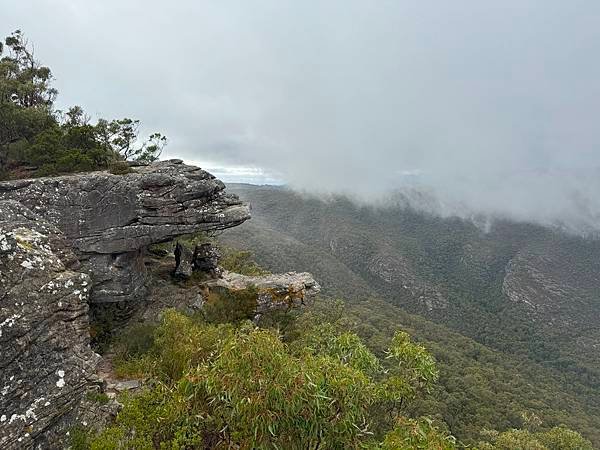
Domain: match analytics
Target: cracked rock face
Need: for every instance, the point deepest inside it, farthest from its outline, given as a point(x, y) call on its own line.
point(110, 219)
point(46, 364)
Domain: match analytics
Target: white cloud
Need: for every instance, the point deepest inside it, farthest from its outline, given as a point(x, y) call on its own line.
point(495, 102)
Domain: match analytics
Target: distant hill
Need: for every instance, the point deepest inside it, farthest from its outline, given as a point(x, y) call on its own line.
point(526, 296)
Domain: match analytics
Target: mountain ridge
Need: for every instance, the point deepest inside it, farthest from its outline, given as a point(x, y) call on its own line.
point(454, 260)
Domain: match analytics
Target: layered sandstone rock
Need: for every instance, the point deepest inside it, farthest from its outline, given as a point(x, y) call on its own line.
point(46, 364)
point(110, 219)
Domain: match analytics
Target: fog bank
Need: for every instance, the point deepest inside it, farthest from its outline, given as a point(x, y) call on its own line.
point(491, 106)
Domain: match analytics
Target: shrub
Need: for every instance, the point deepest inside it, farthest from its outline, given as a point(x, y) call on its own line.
point(79, 438)
point(97, 397)
point(557, 438)
point(224, 305)
point(239, 261)
point(409, 434)
point(220, 385)
point(239, 386)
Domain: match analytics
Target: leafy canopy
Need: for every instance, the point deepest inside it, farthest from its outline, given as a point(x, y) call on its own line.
point(225, 385)
point(220, 385)
point(36, 139)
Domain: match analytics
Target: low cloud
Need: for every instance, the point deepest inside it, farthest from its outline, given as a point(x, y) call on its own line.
point(491, 106)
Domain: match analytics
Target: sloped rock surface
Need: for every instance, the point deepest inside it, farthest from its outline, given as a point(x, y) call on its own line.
point(46, 364)
point(392, 268)
point(111, 219)
point(558, 283)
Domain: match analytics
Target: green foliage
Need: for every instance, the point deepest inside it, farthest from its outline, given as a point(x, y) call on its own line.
point(24, 82)
point(562, 438)
point(415, 363)
point(411, 434)
point(119, 168)
point(219, 385)
point(265, 397)
point(62, 149)
point(324, 339)
point(557, 438)
point(238, 386)
point(79, 438)
point(477, 388)
point(36, 137)
point(240, 261)
point(131, 344)
point(224, 305)
point(157, 415)
point(97, 397)
point(494, 360)
point(121, 136)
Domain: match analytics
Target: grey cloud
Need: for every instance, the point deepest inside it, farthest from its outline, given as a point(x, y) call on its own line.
point(494, 103)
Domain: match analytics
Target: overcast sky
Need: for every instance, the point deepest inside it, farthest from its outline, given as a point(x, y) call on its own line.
point(493, 105)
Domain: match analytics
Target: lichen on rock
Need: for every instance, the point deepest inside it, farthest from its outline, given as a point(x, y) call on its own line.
point(46, 364)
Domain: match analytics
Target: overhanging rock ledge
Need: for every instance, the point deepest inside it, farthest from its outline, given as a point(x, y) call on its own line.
point(109, 220)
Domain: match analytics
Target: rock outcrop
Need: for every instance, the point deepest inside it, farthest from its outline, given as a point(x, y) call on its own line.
point(73, 246)
point(46, 364)
point(183, 262)
point(110, 219)
point(557, 283)
point(274, 291)
point(206, 259)
point(395, 271)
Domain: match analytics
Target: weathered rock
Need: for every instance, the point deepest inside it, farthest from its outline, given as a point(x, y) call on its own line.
point(557, 286)
point(275, 291)
point(206, 259)
point(46, 364)
point(393, 269)
point(111, 219)
point(183, 261)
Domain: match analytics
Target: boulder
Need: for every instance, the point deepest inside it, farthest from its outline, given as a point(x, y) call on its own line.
point(109, 220)
point(206, 259)
point(183, 262)
point(46, 364)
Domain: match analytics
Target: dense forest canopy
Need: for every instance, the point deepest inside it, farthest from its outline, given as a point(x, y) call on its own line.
point(38, 139)
point(294, 379)
point(305, 383)
point(497, 364)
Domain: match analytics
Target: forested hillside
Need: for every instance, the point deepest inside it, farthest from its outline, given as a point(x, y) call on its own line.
point(516, 305)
